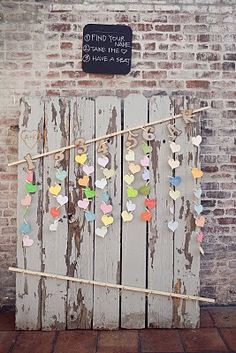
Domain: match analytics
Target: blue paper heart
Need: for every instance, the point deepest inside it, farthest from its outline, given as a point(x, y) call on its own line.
point(198, 209)
point(25, 228)
point(146, 174)
point(175, 181)
point(105, 197)
point(61, 175)
point(90, 216)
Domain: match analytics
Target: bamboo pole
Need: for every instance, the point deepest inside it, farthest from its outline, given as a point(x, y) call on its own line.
point(111, 285)
point(121, 132)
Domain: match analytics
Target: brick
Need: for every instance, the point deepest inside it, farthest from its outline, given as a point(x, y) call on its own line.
point(7, 340)
point(77, 341)
point(59, 27)
point(228, 66)
point(229, 335)
point(34, 341)
point(118, 342)
point(197, 84)
point(160, 341)
point(207, 56)
point(223, 317)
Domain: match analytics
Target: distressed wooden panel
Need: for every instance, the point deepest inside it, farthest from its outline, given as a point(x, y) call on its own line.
point(107, 249)
point(160, 239)
point(134, 233)
point(186, 252)
point(28, 288)
point(80, 251)
point(54, 292)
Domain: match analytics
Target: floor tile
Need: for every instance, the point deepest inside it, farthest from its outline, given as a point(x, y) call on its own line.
point(224, 316)
point(160, 341)
point(205, 318)
point(7, 339)
point(118, 341)
point(229, 335)
point(7, 321)
point(76, 342)
point(202, 340)
point(34, 342)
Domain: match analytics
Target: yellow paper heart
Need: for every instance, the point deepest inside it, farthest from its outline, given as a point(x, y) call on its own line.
point(129, 178)
point(197, 173)
point(174, 194)
point(108, 173)
point(126, 216)
point(81, 158)
point(107, 220)
point(55, 189)
point(134, 168)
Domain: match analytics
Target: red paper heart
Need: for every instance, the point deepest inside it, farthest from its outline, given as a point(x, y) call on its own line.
point(150, 203)
point(146, 216)
point(55, 212)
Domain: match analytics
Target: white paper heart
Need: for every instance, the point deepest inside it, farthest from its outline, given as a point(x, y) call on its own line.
point(101, 232)
point(173, 163)
point(173, 225)
point(101, 183)
point(88, 169)
point(27, 242)
point(62, 200)
point(130, 206)
point(53, 226)
point(197, 193)
point(198, 209)
point(196, 140)
point(103, 161)
point(174, 147)
point(130, 156)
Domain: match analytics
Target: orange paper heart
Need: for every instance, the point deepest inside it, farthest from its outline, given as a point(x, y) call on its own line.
point(197, 173)
point(55, 212)
point(146, 216)
point(150, 203)
point(84, 181)
point(200, 221)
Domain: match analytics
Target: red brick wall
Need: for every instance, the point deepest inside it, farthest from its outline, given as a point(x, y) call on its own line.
point(182, 49)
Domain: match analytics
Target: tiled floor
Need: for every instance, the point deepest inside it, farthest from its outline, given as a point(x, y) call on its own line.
point(216, 335)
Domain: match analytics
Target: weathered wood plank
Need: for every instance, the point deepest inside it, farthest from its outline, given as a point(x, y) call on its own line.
point(134, 232)
point(107, 249)
point(28, 288)
point(54, 292)
point(186, 255)
point(160, 239)
point(80, 251)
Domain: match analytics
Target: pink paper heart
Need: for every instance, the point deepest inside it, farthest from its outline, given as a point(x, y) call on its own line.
point(83, 203)
point(26, 201)
point(145, 161)
point(88, 169)
point(103, 161)
point(30, 176)
point(200, 237)
point(106, 208)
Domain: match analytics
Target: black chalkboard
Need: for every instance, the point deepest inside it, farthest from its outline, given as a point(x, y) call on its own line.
point(107, 49)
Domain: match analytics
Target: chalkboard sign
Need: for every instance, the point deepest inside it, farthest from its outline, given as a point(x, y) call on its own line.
point(107, 49)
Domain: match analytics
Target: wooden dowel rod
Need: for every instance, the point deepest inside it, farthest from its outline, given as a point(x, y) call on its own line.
point(121, 132)
point(111, 285)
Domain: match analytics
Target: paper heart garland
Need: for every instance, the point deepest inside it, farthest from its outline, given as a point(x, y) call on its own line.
point(146, 216)
point(90, 216)
point(31, 188)
point(84, 181)
point(134, 168)
point(126, 216)
point(129, 178)
point(88, 169)
point(55, 189)
point(55, 212)
point(101, 183)
point(175, 181)
point(101, 232)
point(103, 161)
point(89, 193)
point(131, 192)
point(61, 175)
point(197, 173)
point(146, 175)
point(130, 156)
point(81, 158)
point(53, 226)
point(146, 148)
point(26, 201)
point(62, 200)
point(174, 194)
point(200, 221)
point(145, 161)
point(107, 220)
point(83, 203)
point(144, 190)
point(196, 140)
point(25, 228)
point(173, 163)
point(197, 193)
point(106, 208)
point(108, 173)
point(198, 209)
point(27, 242)
point(174, 147)
point(130, 206)
point(173, 225)
point(150, 203)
